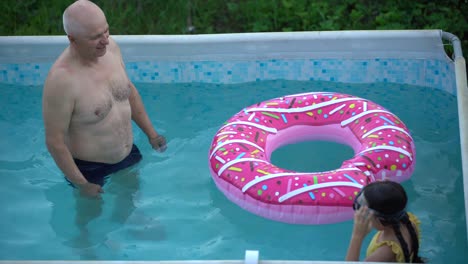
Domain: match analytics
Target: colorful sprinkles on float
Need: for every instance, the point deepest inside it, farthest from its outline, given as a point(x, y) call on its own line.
point(240, 153)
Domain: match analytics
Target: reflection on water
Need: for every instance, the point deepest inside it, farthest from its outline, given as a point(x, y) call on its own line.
point(95, 218)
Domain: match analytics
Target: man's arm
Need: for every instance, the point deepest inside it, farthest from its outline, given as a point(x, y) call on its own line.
point(57, 108)
point(139, 115)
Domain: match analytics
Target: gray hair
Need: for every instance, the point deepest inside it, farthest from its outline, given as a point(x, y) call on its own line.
point(66, 25)
point(70, 23)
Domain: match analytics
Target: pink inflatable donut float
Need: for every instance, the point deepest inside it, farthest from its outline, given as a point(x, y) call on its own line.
point(239, 156)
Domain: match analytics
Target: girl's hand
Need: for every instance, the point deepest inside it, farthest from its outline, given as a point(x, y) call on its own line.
point(362, 222)
point(362, 227)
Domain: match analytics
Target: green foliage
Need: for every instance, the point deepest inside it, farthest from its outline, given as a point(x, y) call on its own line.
point(43, 17)
point(31, 17)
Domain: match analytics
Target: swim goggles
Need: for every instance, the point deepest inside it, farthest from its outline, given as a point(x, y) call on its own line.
point(356, 204)
point(398, 215)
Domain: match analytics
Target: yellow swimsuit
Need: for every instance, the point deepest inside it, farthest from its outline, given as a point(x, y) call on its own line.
point(395, 246)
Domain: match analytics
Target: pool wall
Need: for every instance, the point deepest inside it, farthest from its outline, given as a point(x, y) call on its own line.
point(415, 57)
point(406, 57)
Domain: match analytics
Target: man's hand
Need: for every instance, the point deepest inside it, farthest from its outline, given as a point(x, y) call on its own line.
point(158, 143)
point(90, 190)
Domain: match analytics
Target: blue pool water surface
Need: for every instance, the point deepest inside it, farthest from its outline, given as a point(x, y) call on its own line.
point(168, 208)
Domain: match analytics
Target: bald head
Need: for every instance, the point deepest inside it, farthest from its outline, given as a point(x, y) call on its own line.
point(80, 17)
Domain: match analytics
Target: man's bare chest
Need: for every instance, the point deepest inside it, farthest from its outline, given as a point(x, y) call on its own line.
point(101, 91)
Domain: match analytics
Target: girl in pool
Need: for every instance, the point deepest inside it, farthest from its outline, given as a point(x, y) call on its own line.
point(382, 205)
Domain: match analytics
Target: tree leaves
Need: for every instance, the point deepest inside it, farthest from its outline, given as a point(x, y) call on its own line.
point(43, 17)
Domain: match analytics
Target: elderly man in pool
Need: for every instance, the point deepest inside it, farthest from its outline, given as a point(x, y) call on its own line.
point(89, 102)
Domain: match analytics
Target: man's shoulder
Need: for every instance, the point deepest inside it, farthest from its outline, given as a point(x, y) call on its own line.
point(60, 76)
point(62, 68)
point(114, 47)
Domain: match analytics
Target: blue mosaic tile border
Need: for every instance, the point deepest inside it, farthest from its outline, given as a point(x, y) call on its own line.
point(24, 74)
point(429, 73)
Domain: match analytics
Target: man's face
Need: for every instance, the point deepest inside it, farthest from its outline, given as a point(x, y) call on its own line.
point(94, 39)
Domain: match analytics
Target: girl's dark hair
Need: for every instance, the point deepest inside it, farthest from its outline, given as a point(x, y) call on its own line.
point(389, 200)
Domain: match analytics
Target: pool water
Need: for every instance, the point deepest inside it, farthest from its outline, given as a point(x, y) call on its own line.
point(168, 208)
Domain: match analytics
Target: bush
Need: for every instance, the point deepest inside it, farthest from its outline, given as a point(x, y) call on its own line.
point(43, 17)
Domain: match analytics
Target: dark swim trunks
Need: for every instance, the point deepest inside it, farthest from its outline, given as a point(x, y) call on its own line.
point(95, 172)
